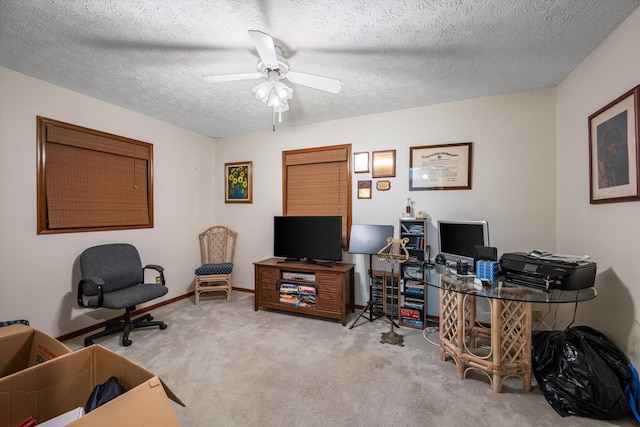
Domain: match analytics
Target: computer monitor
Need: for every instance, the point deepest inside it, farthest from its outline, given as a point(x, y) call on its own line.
point(458, 239)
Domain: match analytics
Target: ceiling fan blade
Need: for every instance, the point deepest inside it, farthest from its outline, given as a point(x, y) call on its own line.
point(219, 78)
point(265, 47)
point(317, 82)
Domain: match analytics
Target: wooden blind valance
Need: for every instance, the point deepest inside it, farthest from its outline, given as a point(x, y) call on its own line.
point(317, 181)
point(340, 154)
point(90, 180)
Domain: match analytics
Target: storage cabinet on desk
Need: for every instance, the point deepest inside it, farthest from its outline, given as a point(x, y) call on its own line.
point(312, 289)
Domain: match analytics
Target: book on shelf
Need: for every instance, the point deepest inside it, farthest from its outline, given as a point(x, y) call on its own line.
point(293, 300)
point(412, 313)
point(414, 293)
point(307, 301)
point(304, 289)
point(414, 285)
point(288, 287)
point(416, 228)
point(412, 321)
point(412, 270)
point(413, 305)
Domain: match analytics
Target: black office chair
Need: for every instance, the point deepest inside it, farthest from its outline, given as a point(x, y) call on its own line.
point(113, 277)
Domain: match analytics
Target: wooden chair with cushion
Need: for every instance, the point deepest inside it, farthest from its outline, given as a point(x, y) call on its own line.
point(217, 248)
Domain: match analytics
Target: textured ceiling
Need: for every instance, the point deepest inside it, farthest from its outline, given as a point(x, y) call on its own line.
point(150, 56)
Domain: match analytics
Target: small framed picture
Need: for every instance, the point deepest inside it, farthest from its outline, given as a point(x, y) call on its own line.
point(361, 162)
point(384, 164)
point(364, 189)
point(238, 182)
point(383, 185)
point(614, 161)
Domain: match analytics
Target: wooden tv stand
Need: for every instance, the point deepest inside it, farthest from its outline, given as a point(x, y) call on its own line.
point(311, 289)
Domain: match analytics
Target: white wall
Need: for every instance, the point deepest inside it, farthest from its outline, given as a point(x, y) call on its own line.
point(530, 199)
point(38, 274)
point(608, 232)
point(513, 174)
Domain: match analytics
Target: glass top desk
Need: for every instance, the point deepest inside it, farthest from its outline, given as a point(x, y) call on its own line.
point(503, 348)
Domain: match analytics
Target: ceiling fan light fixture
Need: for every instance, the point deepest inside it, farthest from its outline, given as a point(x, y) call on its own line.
point(273, 94)
point(272, 66)
point(283, 91)
point(262, 91)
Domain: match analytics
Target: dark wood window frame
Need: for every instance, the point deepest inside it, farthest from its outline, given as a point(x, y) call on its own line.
point(326, 187)
point(90, 180)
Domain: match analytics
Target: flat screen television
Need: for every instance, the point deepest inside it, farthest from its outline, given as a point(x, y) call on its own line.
point(458, 239)
point(308, 238)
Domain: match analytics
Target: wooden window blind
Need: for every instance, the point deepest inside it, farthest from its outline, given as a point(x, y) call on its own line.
point(317, 181)
point(90, 180)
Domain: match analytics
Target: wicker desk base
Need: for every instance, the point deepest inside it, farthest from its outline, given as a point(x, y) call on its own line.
point(500, 350)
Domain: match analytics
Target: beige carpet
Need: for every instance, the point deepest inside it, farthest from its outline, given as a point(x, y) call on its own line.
point(233, 366)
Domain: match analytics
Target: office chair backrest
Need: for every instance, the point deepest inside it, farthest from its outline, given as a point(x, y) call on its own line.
point(117, 264)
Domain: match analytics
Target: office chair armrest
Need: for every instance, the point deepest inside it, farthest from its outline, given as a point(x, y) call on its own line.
point(97, 282)
point(159, 269)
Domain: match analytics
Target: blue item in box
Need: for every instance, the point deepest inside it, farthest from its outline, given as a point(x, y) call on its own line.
point(487, 270)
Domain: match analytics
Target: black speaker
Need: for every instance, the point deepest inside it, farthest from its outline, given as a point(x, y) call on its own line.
point(485, 253)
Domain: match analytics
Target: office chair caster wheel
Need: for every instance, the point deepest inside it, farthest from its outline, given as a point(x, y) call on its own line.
point(163, 326)
point(126, 342)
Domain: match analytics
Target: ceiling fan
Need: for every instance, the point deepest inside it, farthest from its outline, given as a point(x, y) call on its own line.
point(274, 68)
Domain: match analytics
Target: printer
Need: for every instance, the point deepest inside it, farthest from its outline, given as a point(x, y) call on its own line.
point(546, 271)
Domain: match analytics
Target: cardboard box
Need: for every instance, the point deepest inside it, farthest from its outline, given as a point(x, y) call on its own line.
point(23, 347)
point(66, 382)
point(64, 419)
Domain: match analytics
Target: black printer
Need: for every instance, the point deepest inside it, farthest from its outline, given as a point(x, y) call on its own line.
point(547, 271)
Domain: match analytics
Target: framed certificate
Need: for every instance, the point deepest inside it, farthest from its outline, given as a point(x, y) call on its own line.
point(364, 189)
point(440, 167)
point(383, 164)
point(361, 162)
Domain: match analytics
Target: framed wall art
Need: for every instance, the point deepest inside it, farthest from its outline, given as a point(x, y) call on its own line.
point(238, 182)
point(613, 150)
point(361, 162)
point(441, 167)
point(383, 164)
point(364, 189)
point(383, 185)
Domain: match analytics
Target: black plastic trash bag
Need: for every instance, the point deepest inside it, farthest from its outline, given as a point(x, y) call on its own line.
point(102, 393)
point(580, 372)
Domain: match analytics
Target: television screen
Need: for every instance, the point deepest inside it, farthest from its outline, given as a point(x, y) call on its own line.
point(307, 238)
point(458, 239)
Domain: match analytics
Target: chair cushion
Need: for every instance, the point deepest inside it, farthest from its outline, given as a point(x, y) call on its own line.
point(211, 269)
point(130, 297)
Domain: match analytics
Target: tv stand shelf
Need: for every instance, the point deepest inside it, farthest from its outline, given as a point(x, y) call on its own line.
point(311, 289)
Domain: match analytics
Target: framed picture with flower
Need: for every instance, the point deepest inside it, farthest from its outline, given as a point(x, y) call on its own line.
point(238, 182)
